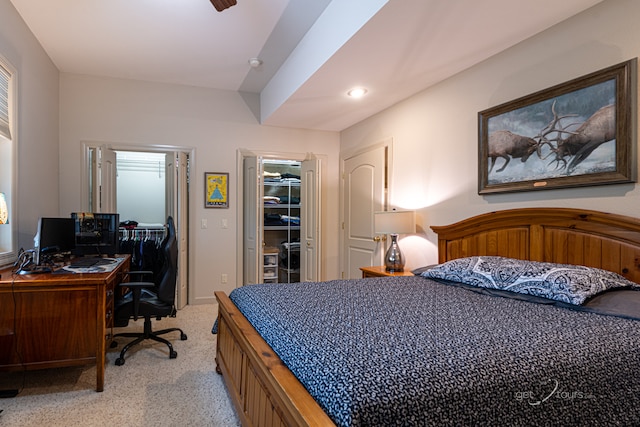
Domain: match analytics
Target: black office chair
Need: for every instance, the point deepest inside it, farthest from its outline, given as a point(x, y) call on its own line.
point(149, 299)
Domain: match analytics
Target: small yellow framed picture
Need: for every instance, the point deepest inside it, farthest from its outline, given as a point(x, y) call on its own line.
point(216, 190)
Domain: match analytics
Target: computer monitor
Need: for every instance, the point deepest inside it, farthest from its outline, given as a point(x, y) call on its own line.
point(54, 236)
point(96, 233)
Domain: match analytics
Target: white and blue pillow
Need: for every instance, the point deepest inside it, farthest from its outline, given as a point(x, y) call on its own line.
point(573, 284)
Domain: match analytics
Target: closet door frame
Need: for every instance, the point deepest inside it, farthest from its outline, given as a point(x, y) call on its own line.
point(243, 153)
point(182, 222)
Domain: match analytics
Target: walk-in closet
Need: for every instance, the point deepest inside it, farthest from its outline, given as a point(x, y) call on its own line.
point(281, 220)
point(281, 227)
point(144, 187)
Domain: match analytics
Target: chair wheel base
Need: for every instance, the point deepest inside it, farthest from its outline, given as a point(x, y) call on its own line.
point(183, 336)
point(173, 354)
point(119, 361)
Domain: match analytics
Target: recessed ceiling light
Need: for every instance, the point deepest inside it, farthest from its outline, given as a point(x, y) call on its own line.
point(357, 92)
point(255, 62)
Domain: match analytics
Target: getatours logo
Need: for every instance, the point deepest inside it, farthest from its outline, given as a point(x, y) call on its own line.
point(550, 390)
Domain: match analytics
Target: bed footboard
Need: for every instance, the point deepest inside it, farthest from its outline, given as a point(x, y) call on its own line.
point(262, 389)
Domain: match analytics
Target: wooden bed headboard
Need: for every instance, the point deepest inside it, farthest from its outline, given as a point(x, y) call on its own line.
point(562, 235)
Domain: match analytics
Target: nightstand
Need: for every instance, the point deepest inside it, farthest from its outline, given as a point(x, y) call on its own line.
point(381, 271)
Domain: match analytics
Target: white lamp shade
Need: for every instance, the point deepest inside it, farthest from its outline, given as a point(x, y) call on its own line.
point(395, 222)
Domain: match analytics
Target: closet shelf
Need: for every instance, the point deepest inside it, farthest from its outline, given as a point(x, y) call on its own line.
point(282, 227)
point(281, 206)
point(289, 270)
point(282, 183)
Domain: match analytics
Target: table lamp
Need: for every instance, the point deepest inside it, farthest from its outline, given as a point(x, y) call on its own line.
point(394, 223)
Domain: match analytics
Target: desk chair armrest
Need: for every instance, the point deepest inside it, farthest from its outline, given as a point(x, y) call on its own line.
point(137, 285)
point(139, 274)
point(136, 290)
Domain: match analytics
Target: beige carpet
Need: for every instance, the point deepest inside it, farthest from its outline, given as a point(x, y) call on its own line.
point(148, 390)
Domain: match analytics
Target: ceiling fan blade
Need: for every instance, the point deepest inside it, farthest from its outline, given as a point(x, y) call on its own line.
point(221, 5)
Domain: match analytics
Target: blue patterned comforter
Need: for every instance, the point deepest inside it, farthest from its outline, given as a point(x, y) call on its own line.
point(409, 351)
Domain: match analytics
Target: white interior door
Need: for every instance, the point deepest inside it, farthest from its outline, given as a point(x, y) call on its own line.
point(252, 220)
point(310, 220)
point(183, 229)
point(176, 190)
point(363, 194)
point(104, 187)
point(171, 185)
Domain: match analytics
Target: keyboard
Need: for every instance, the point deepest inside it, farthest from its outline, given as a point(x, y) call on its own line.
point(87, 262)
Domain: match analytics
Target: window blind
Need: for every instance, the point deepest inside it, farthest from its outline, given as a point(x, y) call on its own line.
point(5, 76)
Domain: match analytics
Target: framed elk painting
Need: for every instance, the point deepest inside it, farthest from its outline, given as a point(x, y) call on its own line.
point(578, 133)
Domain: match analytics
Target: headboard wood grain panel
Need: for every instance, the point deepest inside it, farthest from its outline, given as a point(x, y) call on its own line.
point(562, 235)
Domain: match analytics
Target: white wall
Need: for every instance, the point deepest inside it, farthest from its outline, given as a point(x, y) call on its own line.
point(435, 154)
point(37, 133)
point(215, 124)
point(141, 187)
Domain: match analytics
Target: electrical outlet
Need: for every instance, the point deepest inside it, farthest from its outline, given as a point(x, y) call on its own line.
point(224, 278)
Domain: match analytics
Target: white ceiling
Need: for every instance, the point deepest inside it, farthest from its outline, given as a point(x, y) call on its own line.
point(313, 51)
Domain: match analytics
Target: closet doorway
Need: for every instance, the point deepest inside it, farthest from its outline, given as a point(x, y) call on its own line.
point(280, 216)
point(145, 186)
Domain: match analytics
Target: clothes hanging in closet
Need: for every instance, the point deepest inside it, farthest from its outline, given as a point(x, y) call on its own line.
point(144, 247)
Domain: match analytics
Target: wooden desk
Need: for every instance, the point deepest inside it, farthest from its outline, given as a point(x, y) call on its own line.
point(381, 271)
point(51, 320)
